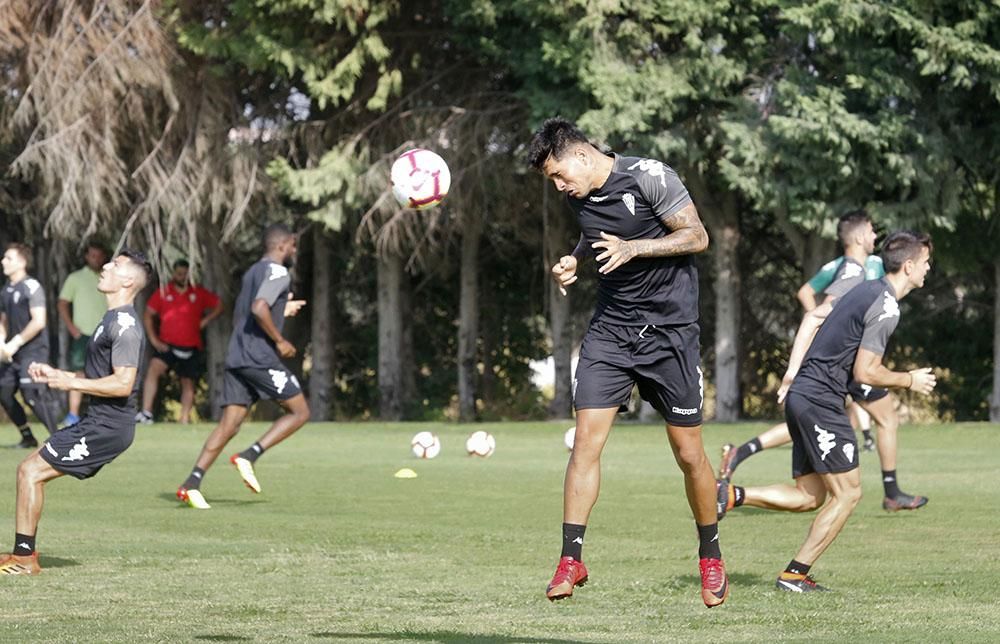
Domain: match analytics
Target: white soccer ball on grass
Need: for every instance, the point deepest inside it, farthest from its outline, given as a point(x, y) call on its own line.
point(480, 443)
point(425, 445)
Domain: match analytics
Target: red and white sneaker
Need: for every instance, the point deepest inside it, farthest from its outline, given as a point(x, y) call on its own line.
point(714, 582)
point(569, 574)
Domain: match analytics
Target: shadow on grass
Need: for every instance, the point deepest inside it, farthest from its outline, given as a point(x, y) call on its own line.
point(222, 638)
point(172, 498)
point(445, 636)
point(48, 561)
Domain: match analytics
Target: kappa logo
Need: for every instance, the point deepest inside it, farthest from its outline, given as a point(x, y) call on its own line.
point(653, 168)
point(890, 307)
point(32, 285)
point(125, 322)
point(277, 272)
point(279, 378)
point(825, 440)
point(578, 540)
point(849, 452)
point(866, 390)
point(629, 201)
point(851, 270)
point(78, 451)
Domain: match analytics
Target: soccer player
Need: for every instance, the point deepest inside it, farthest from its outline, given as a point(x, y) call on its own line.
point(850, 339)
point(81, 307)
point(182, 308)
point(253, 366)
point(858, 238)
point(23, 340)
point(108, 427)
point(638, 217)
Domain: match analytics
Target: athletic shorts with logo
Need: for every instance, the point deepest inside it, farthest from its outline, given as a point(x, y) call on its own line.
point(865, 393)
point(81, 450)
point(246, 385)
point(664, 361)
point(822, 437)
point(185, 361)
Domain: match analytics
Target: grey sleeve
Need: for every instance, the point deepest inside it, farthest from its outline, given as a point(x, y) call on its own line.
point(276, 283)
point(661, 187)
point(848, 276)
point(126, 348)
point(36, 294)
point(881, 319)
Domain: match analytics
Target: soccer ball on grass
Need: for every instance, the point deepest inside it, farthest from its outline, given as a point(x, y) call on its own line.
point(425, 445)
point(480, 444)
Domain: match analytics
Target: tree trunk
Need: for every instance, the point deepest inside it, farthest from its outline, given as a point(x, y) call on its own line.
point(728, 402)
point(321, 332)
point(217, 279)
point(468, 319)
point(995, 399)
point(390, 334)
point(409, 394)
point(557, 244)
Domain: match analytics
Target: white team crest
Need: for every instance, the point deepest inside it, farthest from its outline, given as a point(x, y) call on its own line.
point(277, 272)
point(890, 307)
point(279, 378)
point(78, 451)
point(17, 296)
point(629, 202)
point(652, 167)
point(125, 322)
point(849, 452)
point(98, 332)
point(851, 270)
point(825, 441)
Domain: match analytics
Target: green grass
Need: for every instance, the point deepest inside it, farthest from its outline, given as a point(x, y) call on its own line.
point(337, 550)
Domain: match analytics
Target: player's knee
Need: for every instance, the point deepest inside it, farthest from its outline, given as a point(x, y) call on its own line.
point(849, 496)
point(811, 502)
point(29, 470)
point(689, 457)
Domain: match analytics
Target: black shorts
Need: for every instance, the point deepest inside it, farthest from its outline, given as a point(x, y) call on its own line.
point(185, 361)
point(664, 361)
point(14, 375)
point(822, 437)
point(865, 393)
point(81, 450)
point(246, 385)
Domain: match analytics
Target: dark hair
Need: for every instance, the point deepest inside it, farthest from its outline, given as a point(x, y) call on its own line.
point(553, 138)
point(275, 234)
point(23, 250)
point(139, 259)
point(182, 263)
point(901, 246)
point(849, 223)
point(98, 246)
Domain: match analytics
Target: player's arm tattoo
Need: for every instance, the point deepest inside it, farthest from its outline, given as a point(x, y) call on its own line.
point(687, 236)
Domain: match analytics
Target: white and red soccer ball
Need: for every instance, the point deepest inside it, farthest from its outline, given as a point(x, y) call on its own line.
point(481, 444)
point(425, 445)
point(420, 179)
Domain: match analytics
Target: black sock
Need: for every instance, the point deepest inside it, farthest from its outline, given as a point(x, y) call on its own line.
point(252, 453)
point(745, 451)
point(798, 568)
point(708, 541)
point(867, 433)
point(573, 540)
point(26, 432)
point(739, 495)
point(890, 484)
point(193, 482)
point(24, 544)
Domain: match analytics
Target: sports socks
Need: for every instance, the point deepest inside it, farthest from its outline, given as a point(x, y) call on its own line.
point(797, 568)
point(252, 453)
point(746, 450)
point(24, 545)
point(867, 433)
point(890, 484)
point(573, 540)
point(708, 541)
point(739, 495)
point(26, 432)
point(193, 481)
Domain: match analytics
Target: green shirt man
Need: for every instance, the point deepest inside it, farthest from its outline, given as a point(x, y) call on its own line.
point(81, 306)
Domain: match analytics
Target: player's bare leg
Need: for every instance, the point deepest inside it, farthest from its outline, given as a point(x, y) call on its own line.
point(580, 491)
point(844, 491)
point(861, 421)
point(732, 455)
point(883, 411)
point(807, 494)
point(285, 426)
point(190, 490)
point(187, 399)
point(32, 475)
point(151, 384)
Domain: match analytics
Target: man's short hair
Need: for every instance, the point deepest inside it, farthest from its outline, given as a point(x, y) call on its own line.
point(275, 234)
point(553, 138)
point(139, 260)
point(23, 250)
point(182, 263)
point(901, 246)
point(849, 224)
point(96, 246)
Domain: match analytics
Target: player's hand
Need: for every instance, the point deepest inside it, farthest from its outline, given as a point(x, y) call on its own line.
point(923, 381)
point(159, 345)
point(74, 331)
point(786, 383)
point(61, 380)
point(616, 250)
point(5, 356)
point(285, 349)
point(292, 307)
point(39, 371)
point(564, 273)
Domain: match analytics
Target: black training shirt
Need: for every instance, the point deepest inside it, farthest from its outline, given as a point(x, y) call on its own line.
point(117, 342)
point(16, 301)
point(249, 346)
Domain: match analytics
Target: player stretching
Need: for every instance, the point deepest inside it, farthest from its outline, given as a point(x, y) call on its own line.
point(253, 365)
point(858, 264)
point(638, 216)
point(113, 355)
point(23, 340)
point(849, 344)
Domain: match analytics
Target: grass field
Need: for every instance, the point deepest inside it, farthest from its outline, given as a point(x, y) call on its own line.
point(337, 550)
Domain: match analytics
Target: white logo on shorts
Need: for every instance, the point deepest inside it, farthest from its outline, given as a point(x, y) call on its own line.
point(50, 450)
point(78, 451)
point(279, 378)
point(701, 386)
point(684, 412)
point(866, 389)
point(825, 440)
point(849, 452)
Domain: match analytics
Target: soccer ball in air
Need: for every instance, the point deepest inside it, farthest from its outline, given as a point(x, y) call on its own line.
point(480, 444)
point(425, 445)
point(569, 438)
point(420, 179)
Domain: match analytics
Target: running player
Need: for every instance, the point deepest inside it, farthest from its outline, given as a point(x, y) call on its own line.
point(850, 339)
point(638, 217)
point(107, 428)
point(23, 340)
point(184, 310)
point(253, 366)
point(858, 238)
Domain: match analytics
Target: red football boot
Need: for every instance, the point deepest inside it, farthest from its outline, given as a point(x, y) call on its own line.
point(714, 582)
point(569, 573)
